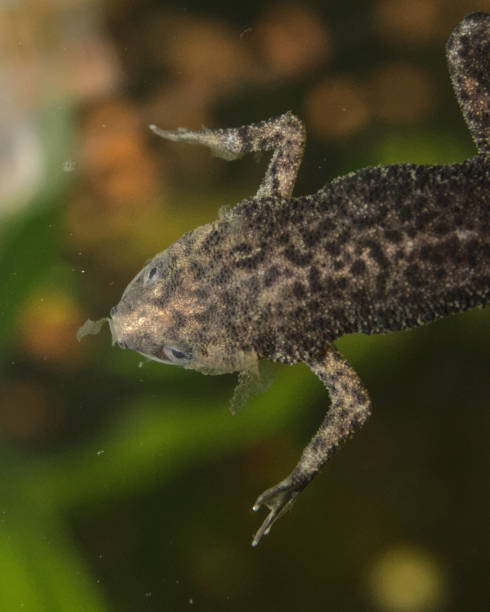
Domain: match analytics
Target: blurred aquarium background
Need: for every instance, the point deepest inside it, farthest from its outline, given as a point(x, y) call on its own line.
point(127, 485)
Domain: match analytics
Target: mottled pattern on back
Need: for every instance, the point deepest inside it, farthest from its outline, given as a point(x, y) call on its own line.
point(363, 255)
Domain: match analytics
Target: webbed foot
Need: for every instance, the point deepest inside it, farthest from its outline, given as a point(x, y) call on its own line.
point(279, 500)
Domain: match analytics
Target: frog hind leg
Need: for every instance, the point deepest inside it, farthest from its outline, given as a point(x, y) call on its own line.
point(350, 407)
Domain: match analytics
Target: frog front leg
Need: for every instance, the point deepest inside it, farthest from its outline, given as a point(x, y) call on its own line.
point(284, 135)
point(350, 407)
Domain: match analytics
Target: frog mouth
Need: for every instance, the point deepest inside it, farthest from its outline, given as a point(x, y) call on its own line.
point(154, 358)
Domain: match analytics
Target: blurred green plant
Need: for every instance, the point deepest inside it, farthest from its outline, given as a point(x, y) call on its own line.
point(29, 239)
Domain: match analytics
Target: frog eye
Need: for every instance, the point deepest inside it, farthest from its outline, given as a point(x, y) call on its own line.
point(175, 355)
point(152, 275)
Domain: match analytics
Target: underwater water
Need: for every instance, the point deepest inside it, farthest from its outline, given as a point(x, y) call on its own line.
point(127, 485)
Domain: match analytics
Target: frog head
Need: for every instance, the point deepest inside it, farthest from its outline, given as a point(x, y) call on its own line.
point(175, 312)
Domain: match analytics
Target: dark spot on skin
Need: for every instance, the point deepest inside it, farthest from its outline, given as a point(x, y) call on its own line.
point(380, 286)
point(196, 270)
point(265, 345)
point(343, 237)
point(358, 267)
point(392, 172)
point(174, 277)
point(382, 212)
point(310, 238)
point(200, 294)
point(449, 249)
point(297, 257)
point(324, 227)
point(359, 396)
point(243, 134)
point(297, 216)
point(413, 275)
point(241, 249)
point(441, 228)
point(422, 177)
point(357, 420)
point(228, 298)
point(363, 222)
point(179, 320)
point(316, 306)
point(431, 254)
point(314, 280)
point(212, 240)
point(422, 220)
point(299, 291)
point(251, 262)
point(405, 213)
point(439, 273)
point(224, 276)
point(206, 315)
point(393, 235)
point(472, 253)
point(319, 444)
point(271, 275)
point(161, 300)
point(377, 253)
point(332, 248)
point(251, 287)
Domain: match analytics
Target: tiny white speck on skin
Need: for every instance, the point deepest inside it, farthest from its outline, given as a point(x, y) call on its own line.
point(465, 234)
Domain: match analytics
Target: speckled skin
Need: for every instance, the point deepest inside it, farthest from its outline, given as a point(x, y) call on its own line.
point(280, 277)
